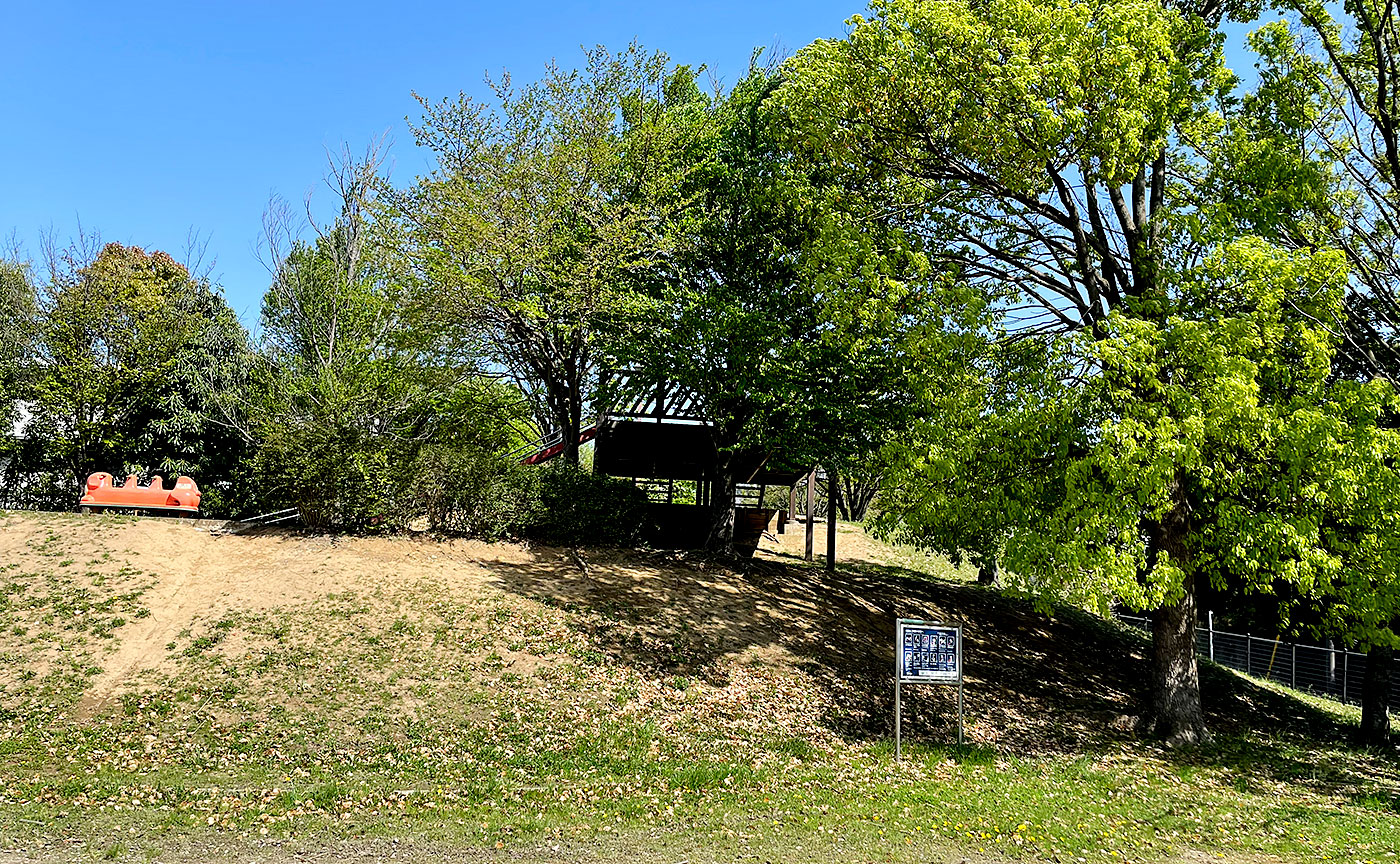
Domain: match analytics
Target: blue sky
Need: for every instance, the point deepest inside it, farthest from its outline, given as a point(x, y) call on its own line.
point(145, 120)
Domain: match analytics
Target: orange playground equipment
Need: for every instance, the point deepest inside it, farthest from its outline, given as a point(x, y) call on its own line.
point(102, 494)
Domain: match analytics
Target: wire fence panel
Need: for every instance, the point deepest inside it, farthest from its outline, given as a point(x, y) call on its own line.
point(1319, 671)
point(1232, 650)
point(1334, 673)
point(1268, 664)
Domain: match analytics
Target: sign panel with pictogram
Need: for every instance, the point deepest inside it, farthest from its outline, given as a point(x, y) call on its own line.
point(926, 652)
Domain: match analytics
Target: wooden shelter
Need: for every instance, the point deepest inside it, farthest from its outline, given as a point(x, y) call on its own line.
point(662, 443)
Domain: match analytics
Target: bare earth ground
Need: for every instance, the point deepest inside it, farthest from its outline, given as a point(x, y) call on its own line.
point(500, 680)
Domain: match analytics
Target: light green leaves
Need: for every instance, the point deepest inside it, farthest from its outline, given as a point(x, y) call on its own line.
point(1005, 87)
point(1227, 398)
point(545, 210)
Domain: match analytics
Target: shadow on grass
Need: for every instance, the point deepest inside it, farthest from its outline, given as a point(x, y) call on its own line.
point(1380, 801)
point(1060, 683)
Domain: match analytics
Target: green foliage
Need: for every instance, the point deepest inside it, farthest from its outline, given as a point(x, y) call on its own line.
point(1324, 166)
point(1289, 474)
point(541, 211)
point(470, 493)
point(343, 477)
point(17, 311)
point(581, 509)
point(988, 451)
point(328, 470)
point(1085, 170)
point(356, 414)
point(1005, 87)
point(1227, 399)
point(1263, 174)
point(1303, 159)
point(785, 308)
point(130, 353)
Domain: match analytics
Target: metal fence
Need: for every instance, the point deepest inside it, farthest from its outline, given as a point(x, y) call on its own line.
point(1335, 673)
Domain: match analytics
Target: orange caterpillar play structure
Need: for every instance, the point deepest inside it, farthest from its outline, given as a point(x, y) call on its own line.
point(183, 500)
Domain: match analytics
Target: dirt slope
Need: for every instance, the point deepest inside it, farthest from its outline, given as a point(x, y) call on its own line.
point(1033, 682)
point(190, 575)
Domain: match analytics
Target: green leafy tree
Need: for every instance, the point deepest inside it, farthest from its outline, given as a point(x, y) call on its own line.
point(1309, 158)
point(858, 486)
point(541, 210)
point(362, 414)
point(988, 448)
point(17, 315)
point(17, 308)
point(785, 306)
point(1037, 145)
point(1328, 81)
point(130, 351)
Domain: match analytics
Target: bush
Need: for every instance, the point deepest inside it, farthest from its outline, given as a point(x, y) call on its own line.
point(582, 509)
point(333, 475)
point(473, 494)
point(490, 497)
point(344, 480)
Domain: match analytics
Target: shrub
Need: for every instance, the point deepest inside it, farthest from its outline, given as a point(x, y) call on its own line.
point(474, 494)
point(336, 478)
point(582, 509)
point(343, 480)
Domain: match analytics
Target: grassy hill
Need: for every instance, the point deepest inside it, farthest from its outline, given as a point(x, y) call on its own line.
point(168, 693)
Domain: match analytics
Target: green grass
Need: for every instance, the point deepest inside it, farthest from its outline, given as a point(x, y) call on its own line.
point(518, 787)
point(56, 623)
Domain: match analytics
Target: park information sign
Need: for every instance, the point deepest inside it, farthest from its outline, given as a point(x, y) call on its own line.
point(926, 652)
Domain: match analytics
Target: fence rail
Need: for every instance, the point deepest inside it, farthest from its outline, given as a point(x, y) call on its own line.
point(1334, 673)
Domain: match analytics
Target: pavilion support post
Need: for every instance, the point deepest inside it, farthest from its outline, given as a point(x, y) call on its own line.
point(831, 519)
point(811, 511)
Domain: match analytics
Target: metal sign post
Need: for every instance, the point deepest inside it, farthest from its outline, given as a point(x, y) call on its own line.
point(926, 652)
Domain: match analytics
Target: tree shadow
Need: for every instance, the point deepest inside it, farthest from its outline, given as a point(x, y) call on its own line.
point(1035, 683)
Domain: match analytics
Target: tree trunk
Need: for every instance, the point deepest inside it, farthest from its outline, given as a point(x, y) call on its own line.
point(575, 429)
point(571, 433)
point(1176, 697)
point(566, 412)
point(856, 496)
point(1176, 687)
point(721, 537)
point(1375, 697)
point(987, 573)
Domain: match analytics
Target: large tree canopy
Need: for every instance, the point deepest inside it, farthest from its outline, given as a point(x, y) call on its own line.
point(538, 217)
point(1328, 93)
point(17, 320)
point(1034, 137)
point(1045, 150)
point(360, 408)
point(785, 307)
point(17, 308)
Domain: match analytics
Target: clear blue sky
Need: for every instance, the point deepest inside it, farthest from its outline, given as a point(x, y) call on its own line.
point(145, 120)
